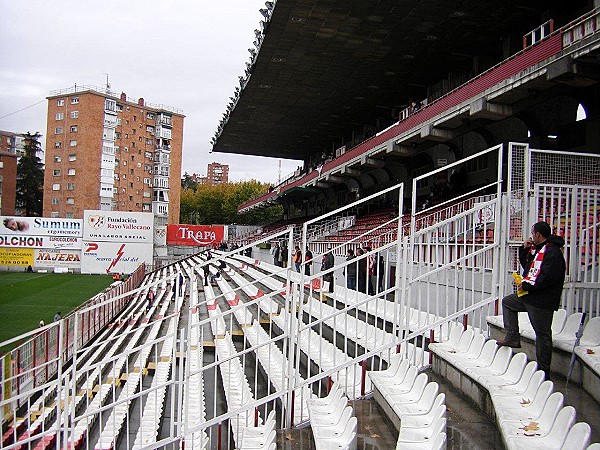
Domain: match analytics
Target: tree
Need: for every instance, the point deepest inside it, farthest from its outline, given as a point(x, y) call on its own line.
point(218, 204)
point(30, 177)
point(187, 182)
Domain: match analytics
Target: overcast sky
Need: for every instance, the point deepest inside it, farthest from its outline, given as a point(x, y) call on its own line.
point(187, 54)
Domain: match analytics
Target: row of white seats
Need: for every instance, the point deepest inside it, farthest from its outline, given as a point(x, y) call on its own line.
point(266, 303)
point(417, 402)
point(389, 311)
point(563, 329)
point(235, 384)
point(116, 418)
point(332, 421)
point(327, 356)
point(519, 394)
point(295, 277)
point(194, 415)
point(367, 335)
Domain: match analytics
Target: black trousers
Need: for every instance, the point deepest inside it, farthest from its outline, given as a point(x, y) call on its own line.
point(541, 321)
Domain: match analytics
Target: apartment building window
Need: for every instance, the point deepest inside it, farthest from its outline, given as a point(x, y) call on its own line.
point(148, 155)
point(60, 102)
point(72, 143)
point(56, 187)
point(70, 186)
point(117, 135)
point(73, 129)
point(110, 105)
point(71, 172)
point(119, 108)
point(55, 200)
point(59, 116)
point(70, 200)
point(72, 157)
point(54, 214)
point(69, 215)
point(56, 172)
point(131, 185)
point(74, 100)
point(74, 114)
point(150, 116)
point(58, 130)
point(134, 118)
point(57, 144)
point(57, 159)
point(148, 141)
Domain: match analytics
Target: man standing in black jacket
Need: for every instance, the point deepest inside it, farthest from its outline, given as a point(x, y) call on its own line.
point(539, 292)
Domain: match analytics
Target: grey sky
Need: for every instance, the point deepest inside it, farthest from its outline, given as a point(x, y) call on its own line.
point(185, 54)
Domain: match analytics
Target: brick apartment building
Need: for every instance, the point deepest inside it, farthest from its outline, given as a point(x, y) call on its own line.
point(111, 153)
point(11, 146)
point(216, 174)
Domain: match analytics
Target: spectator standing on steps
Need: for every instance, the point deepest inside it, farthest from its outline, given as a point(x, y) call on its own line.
point(538, 293)
point(350, 271)
point(275, 252)
point(327, 263)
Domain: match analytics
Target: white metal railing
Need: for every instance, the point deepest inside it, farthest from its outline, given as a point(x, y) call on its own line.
point(267, 328)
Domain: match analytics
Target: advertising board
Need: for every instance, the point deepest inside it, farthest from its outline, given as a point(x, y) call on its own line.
point(53, 257)
point(118, 227)
point(196, 234)
point(114, 257)
point(21, 257)
point(26, 241)
point(40, 226)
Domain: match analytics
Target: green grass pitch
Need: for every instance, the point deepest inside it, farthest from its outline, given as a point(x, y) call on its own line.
point(27, 298)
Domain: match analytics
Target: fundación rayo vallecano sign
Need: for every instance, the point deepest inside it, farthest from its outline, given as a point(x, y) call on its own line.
point(115, 241)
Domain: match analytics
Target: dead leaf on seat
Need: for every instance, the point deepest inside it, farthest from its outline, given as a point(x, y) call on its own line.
point(289, 437)
point(375, 436)
point(531, 426)
point(525, 402)
point(590, 351)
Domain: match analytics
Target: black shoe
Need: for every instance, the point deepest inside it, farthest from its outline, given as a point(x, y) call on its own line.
point(512, 344)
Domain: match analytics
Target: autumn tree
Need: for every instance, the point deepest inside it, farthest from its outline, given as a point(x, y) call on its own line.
point(218, 204)
point(30, 177)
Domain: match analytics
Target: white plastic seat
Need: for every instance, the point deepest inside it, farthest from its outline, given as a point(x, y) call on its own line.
point(499, 386)
point(334, 410)
point(595, 446)
point(331, 421)
point(498, 366)
point(254, 432)
point(421, 406)
point(514, 428)
point(334, 394)
point(485, 358)
point(414, 395)
point(578, 437)
point(259, 442)
point(558, 321)
point(525, 389)
point(591, 333)
point(510, 376)
point(566, 337)
point(554, 439)
point(399, 381)
point(438, 430)
point(327, 431)
point(398, 367)
point(417, 384)
point(507, 408)
point(347, 439)
point(424, 420)
point(422, 434)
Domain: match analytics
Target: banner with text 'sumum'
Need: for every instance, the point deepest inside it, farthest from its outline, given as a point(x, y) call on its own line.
point(198, 235)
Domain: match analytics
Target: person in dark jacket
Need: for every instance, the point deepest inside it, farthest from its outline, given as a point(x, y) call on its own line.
point(327, 262)
point(361, 275)
point(350, 271)
point(538, 293)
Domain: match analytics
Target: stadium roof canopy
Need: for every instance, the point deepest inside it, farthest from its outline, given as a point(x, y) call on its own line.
point(327, 68)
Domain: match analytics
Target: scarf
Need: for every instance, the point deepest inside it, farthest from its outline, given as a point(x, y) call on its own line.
point(536, 264)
